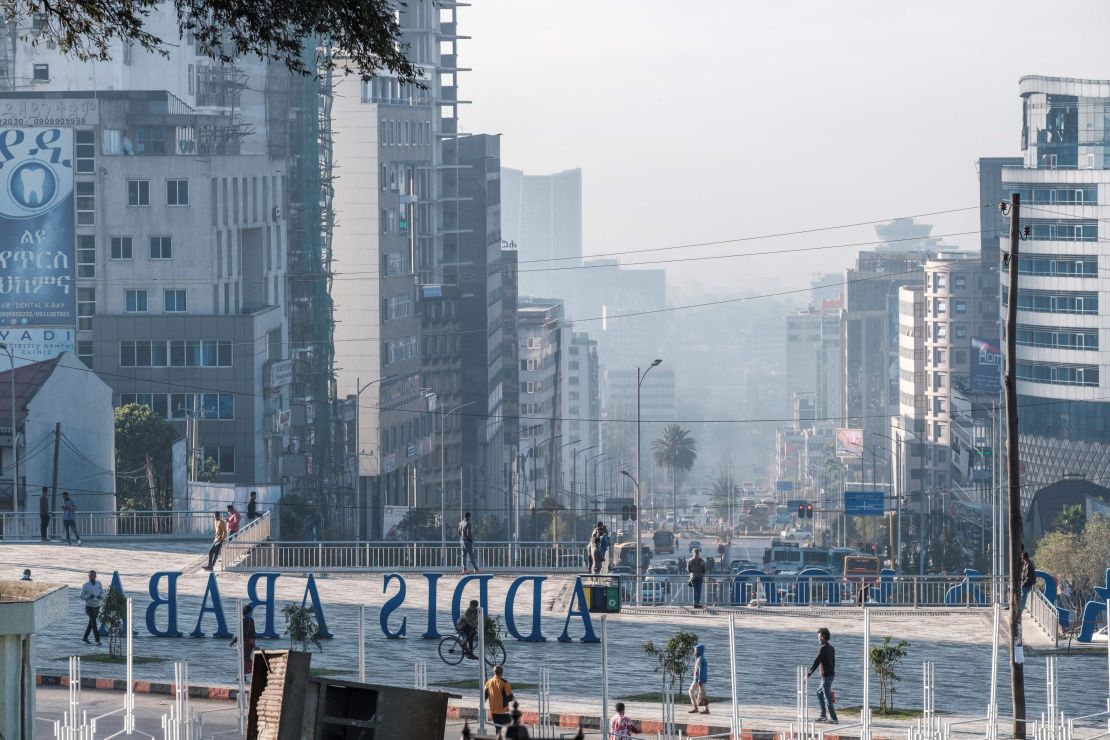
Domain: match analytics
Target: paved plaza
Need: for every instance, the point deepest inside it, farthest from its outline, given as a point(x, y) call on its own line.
point(769, 644)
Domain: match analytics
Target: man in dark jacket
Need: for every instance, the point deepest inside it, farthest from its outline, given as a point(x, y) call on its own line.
point(826, 661)
point(44, 515)
point(1028, 577)
point(466, 541)
point(696, 568)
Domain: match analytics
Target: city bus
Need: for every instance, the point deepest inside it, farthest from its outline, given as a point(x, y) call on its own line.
point(626, 555)
point(663, 541)
point(862, 565)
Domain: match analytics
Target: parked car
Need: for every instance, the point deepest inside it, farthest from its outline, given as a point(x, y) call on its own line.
point(796, 535)
point(739, 564)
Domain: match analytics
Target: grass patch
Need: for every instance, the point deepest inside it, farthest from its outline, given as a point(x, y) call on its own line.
point(472, 683)
point(656, 697)
point(892, 714)
point(121, 660)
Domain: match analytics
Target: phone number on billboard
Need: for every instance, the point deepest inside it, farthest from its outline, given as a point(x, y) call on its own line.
point(43, 121)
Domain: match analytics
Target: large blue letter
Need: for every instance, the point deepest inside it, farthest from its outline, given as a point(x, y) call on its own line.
point(483, 595)
point(170, 601)
point(217, 608)
point(391, 606)
point(431, 633)
point(310, 592)
point(510, 603)
point(583, 610)
point(268, 602)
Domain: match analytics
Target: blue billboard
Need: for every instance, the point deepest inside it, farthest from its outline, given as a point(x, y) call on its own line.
point(864, 503)
point(986, 366)
point(38, 302)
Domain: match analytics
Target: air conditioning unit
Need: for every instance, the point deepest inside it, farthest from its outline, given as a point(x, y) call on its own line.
point(276, 213)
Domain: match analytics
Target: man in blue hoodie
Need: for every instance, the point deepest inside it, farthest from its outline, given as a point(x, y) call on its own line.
point(698, 696)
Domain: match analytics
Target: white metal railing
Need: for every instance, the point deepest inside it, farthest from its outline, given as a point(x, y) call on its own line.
point(110, 524)
point(241, 543)
point(1043, 613)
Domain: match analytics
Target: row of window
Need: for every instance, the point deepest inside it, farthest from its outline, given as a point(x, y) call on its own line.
point(175, 353)
point(123, 247)
point(1043, 301)
point(1037, 264)
point(404, 133)
point(181, 406)
point(174, 300)
point(399, 350)
point(1069, 231)
point(531, 386)
point(138, 192)
point(393, 92)
point(1046, 194)
point(1043, 372)
point(1037, 336)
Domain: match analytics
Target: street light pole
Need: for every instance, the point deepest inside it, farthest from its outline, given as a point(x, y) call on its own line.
point(443, 485)
point(574, 478)
point(635, 482)
point(15, 447)
point(921, 513)
point(586, 497)
point(359, 388)
point(639, 382)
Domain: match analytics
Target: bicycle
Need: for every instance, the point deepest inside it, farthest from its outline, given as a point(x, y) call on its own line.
point(452, 650)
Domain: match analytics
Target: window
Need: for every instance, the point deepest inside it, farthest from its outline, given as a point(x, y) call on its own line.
point(86, 203)
point(177, 192)
point(41, 73)
point(142, 353)
point(86, 307)
point(150, 140)
point(138, 192)
point(135, 300)
point(1043, 372)
point(940, 330)
point(85, 353)
point(940, 306)
point(217, 406)
point(175, 301)
point(84, 152)
point(959, 306)
point(122, 248)
point(86, 256)
point(959, 281)
point(160, 248)
point(224, 457)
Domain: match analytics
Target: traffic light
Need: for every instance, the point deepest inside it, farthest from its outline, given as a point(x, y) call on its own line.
point(801, 511)
point(628, 513)
point(809, 511)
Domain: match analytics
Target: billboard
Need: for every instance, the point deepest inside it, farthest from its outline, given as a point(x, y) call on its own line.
point(864, 503)
point(986, 366)
point(38, 304)
point(849, 443)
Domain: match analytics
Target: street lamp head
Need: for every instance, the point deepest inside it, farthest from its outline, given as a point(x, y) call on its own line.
point(656, 362)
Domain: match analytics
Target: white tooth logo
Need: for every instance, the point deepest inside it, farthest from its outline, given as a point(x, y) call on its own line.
point(32, 180)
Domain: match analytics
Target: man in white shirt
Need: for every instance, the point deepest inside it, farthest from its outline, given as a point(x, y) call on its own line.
point(92, 594)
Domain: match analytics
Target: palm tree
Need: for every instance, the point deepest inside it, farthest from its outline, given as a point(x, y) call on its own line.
point(677, 450)
point(722, 494)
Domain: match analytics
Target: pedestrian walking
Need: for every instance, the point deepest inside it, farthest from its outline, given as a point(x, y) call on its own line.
point(250, 637)
point(602, 547)
point(69, 517)
point(621, 726)
point(26, 574)
point(696, 568)
point(466, 540)
point(826, 661)
point(217, 542)
point(92, 594)
point(252, 507)
point(1028, 577)
point(699, 677)
point(233, 520)
point(44, 515)
point(499, 695)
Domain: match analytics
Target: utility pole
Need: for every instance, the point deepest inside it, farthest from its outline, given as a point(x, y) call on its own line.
point(1017, 660)
point(54, 478)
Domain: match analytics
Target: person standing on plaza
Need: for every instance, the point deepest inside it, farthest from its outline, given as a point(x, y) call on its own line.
point(217, 542)
point(250, 636)
point(92, 594)
point(44, 515)
point(466, 540)
point(252, 507)
point(233, 519)
point(602, 547)
point(621, 727)
point(696, 568)
point(499, 695)
point(699, 677)
point(826, 661)
point(69, 517)
point(1028, 577)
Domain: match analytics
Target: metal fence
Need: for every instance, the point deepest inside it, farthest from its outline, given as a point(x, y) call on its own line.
point(566, 557)
point(1043, 613)
point(92, 525)
point(238, 545)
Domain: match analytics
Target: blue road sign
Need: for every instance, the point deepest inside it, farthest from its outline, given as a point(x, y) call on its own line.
point(864, 503)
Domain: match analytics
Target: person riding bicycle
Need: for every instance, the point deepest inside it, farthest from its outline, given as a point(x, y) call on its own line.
point(468, 627)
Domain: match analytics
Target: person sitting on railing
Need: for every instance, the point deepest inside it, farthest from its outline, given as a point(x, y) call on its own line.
point(467, 627)
point(217, 542)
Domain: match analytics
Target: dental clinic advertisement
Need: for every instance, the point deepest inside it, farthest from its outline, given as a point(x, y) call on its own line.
point(38, 304)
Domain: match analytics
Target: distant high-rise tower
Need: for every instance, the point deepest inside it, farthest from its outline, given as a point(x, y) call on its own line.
point(542, 214)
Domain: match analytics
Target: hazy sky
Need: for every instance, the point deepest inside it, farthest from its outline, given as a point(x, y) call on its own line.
point(715, 119)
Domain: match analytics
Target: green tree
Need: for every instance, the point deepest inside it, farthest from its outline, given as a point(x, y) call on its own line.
point(113, 617)
point(885, 660)
point(1071, 520)
point(674, 658)
point(367, 31)
point(141, 435)
point(722, 495)
point(301, 627)
point(677, 450)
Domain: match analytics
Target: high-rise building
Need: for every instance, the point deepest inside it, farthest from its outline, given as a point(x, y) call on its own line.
point(581, 412)
point(540, 345)
point(542, 215)
point(993, 224)
point(1064, 185)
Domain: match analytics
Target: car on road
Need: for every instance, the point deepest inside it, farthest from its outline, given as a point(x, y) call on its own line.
point(796, 535)
point(654, 590)
point(671, 564)
point(695, 545)
point(740, 564)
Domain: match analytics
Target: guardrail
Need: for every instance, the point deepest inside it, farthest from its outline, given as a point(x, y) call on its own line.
point(92, 525)
point(1043, 613)
point(241, 543)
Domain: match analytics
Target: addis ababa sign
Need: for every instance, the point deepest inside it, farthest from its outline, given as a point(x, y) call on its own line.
point(162, 614)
